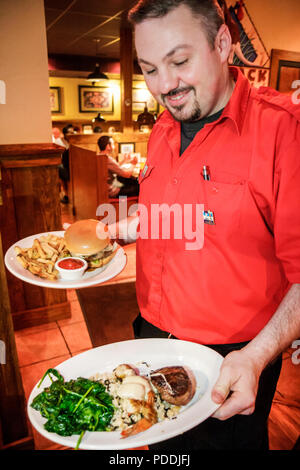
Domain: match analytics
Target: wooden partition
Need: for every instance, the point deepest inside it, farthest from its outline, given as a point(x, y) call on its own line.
point(30, 205)
point(139, 140)
point(285, 70)
point(88, 172)
point(15, 433)
point(88, 181)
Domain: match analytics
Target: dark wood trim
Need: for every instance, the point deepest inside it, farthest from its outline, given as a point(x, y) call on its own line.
point(16, 150)
point(30, 162)
point(126, 53)
point(41, 315)
point(22, 444)
point(13, 418)
point(277, 57)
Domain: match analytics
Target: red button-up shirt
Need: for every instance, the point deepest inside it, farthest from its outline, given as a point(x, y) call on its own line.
point(226, 291)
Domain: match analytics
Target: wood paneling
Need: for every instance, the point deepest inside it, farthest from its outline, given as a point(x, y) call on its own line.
point(90, 140)
point(285, 69)
point(88, 173)
point(30, 205)
point(126, 62)
point(13, 422)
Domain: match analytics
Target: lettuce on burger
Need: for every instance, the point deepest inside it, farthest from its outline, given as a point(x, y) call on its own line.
point(89, 239)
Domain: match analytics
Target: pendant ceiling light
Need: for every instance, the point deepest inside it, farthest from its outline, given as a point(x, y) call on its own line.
point(145, 118)
point(96, 75)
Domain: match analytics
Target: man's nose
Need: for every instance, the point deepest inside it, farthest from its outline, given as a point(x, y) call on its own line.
point(168, 81)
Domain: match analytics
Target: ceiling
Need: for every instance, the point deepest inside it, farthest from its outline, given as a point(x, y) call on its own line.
point(74, 25)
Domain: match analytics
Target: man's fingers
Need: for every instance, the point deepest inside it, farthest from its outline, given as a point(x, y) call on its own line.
point(236, 404)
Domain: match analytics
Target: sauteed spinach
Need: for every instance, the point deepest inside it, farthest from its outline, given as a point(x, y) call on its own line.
point(73, 407)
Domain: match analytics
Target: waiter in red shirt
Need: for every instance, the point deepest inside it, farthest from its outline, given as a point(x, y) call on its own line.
point(236, 150)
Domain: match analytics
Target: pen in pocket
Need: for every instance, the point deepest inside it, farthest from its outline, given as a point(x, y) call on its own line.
point(206, 173)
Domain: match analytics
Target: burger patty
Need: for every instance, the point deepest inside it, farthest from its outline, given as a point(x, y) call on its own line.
point(99, 259)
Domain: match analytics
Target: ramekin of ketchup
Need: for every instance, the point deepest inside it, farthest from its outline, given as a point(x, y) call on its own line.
point(71, 268)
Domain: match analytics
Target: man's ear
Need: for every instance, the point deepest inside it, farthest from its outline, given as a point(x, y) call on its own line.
point(223, 43)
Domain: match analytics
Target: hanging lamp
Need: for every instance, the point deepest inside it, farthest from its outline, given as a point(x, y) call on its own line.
point(96, 75)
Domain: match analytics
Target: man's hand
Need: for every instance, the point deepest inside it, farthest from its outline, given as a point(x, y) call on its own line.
point(236, 387)
point(124, 231)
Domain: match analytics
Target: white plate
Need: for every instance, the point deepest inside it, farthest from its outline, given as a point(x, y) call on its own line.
point(90, 278)
point(204, 362)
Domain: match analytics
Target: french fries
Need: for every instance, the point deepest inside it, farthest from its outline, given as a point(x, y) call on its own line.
point(41, 257)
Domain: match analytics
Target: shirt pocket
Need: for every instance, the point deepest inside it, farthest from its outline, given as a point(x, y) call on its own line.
point(224, 196)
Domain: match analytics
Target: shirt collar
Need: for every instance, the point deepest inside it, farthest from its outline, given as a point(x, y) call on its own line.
point(235, 108)
point(237, 105)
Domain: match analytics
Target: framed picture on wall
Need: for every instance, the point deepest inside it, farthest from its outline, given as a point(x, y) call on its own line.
point(139, 97)
point(127, 147)
point(95, 99)
point(55, 99)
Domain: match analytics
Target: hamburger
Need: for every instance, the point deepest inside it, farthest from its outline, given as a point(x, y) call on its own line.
point(89, 239)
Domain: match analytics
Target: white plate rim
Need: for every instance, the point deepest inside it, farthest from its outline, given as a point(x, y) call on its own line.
point(160, 431)
point(112, 269)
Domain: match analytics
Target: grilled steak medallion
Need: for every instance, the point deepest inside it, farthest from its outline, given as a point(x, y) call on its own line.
point(175, 384)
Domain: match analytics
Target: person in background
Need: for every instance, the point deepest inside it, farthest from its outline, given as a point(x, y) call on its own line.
point(64, 167)
point(235, 150)
point(57, 136)
point(120, 180)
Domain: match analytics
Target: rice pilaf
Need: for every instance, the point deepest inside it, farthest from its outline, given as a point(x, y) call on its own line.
point(125, 415)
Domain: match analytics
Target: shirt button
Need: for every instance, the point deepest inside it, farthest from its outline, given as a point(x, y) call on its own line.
point(215, 190)
point(175, 180)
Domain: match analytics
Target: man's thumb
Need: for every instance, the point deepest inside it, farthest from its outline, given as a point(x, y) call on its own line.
point(221, 389)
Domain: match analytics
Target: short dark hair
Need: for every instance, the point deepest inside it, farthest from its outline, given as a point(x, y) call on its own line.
point(209, 11)
point(103, 141)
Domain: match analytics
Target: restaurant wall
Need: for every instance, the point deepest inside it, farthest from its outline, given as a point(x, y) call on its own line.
point(69, 98)
point(277, 22)
point(24, 82)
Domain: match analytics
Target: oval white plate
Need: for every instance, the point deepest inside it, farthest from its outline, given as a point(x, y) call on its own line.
point(90, 278)
point(155, 352)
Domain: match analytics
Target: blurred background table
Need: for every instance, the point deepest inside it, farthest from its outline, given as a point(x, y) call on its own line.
point(110, 308)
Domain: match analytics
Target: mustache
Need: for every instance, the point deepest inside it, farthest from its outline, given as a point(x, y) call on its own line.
point(176, 91)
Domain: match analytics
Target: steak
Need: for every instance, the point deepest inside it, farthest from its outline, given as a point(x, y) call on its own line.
point(175, 384)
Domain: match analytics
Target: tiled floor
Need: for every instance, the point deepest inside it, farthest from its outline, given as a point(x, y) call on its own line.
point(47, 345)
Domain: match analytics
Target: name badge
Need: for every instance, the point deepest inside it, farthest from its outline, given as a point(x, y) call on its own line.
point(209, 217)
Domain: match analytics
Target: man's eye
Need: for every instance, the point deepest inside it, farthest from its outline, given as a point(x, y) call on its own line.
point(181, 62)
point(149, 72)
